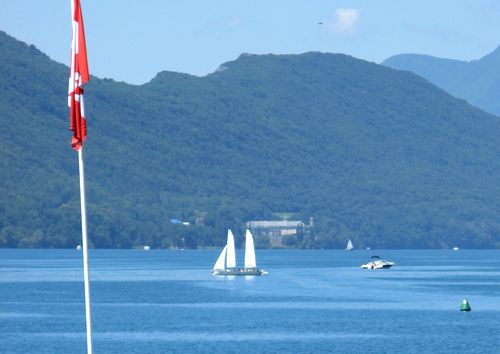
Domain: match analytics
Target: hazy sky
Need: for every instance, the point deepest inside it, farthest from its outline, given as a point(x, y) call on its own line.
point(132, 40)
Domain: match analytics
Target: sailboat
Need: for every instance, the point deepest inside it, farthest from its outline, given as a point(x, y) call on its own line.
point(226, 263)
point(349, 246)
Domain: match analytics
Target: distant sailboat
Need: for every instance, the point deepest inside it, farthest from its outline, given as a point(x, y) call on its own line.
point(226, 263)
point(349, 246)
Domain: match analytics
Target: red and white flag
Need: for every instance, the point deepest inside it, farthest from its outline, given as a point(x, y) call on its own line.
point(78, 75)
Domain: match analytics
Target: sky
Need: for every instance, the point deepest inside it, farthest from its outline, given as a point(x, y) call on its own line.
point(132, 40)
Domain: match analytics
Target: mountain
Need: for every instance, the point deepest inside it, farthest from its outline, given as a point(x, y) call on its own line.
point(376, 155)
point(476, 81)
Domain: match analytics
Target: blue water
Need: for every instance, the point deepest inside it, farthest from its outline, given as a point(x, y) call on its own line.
point(311, 302)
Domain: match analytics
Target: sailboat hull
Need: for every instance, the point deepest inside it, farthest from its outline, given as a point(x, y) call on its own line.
point(239, 271)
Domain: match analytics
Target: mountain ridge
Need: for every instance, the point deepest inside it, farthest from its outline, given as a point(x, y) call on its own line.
point(477, 81)
point(375, 155)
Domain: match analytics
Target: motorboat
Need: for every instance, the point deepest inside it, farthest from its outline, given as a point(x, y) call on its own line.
point(377, 263)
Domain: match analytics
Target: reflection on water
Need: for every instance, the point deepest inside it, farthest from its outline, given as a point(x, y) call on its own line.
point(213, 337)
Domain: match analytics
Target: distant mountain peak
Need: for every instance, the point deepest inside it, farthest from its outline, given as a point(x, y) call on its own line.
point(477, 81)
point(166, 77)
point(494, 56)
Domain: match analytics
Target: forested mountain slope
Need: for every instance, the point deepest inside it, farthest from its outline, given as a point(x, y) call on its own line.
point(376, 155)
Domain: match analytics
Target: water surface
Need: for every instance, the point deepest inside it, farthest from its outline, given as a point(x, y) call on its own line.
point(311, 302)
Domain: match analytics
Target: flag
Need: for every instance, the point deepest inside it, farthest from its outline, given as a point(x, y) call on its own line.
point(78, 76)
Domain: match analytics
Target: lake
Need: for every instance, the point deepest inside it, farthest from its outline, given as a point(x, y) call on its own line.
point(312, 301)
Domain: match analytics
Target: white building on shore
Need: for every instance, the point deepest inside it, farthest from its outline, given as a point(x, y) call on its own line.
point(276, 230)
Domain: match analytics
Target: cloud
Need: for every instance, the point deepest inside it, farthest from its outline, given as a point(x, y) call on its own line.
point(345, 20)
point(235, 22)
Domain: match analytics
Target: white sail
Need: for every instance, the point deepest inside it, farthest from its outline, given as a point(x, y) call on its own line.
point(349, 246)
point(249, 251)
point(219, 265)
point(231, 254)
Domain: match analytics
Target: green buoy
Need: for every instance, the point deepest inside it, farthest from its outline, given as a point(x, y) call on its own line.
point(465, 306)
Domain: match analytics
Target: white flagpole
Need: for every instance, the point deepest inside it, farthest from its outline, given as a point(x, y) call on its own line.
point(85, 255)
